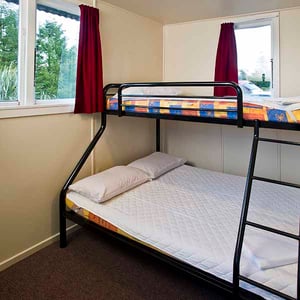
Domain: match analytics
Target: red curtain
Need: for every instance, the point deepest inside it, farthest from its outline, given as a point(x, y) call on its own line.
point(226, 61)
point(89, 81)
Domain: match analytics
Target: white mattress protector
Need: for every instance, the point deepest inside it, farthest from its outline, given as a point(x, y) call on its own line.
point(193, 215)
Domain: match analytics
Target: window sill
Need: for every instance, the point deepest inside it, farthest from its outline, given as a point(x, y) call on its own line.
point(35, 110)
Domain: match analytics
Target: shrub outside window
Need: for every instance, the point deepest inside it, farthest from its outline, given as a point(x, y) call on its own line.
point(56, 54)
point(9, 29)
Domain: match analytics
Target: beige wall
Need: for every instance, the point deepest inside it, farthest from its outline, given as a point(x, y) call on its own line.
point(289, 52)
point(38, 153)
point(189, 50)
point(124, 140)
point(131, 46)
point(189, 54)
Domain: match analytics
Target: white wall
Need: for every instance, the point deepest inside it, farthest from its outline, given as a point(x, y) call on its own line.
point(189, 54)
point(289, 52)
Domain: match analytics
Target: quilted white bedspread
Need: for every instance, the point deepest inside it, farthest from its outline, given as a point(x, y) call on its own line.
point(193, 215)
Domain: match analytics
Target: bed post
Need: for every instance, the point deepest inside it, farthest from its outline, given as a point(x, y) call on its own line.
point(63, 193)
point(157, 134)
point(298, 270)
point(62, 221)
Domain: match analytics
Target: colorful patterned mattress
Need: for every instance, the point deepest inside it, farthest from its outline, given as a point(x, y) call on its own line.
point(285, 110)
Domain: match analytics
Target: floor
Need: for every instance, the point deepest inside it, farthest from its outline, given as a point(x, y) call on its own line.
point(96, 267)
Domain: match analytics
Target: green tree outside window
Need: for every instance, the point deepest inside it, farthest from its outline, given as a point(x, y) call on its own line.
point(55, 70)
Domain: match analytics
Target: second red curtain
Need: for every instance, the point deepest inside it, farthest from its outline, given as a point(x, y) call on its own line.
point(226, 68)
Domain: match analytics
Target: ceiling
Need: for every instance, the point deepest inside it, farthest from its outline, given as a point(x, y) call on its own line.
point(176, 11)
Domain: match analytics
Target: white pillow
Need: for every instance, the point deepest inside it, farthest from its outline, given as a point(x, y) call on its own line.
point(133, 90)
point(161, 90)
point(109, 183)
point(157, 163)
point(144, 91)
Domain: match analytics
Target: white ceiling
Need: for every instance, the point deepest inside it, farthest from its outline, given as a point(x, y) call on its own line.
point(176, 11)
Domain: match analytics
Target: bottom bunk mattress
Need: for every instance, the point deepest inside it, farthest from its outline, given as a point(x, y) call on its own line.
point(193, 215)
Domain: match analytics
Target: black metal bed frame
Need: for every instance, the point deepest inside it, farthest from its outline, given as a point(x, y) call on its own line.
point(233, 288)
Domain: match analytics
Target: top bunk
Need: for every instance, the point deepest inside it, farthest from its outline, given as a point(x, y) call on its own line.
point(181, 101)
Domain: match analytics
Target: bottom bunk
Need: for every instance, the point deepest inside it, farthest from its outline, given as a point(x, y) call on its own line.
point(192, 215)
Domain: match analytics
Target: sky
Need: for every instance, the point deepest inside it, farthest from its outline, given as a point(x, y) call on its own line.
point(253, 45)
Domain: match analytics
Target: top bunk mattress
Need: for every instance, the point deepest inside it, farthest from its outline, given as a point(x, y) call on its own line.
point(284, 110)
point(193, 214)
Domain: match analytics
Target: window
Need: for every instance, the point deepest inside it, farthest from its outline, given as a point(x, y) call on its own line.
point(257, 48)
point(38, 64)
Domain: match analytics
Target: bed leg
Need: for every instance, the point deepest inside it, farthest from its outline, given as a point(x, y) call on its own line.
point(62, 222)
point(235, 294)
point(63, 232)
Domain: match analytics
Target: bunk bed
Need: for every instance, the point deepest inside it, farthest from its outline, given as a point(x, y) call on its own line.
point(241, 198)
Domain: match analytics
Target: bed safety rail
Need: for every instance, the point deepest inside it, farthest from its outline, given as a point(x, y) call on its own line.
point(243, 220)
point(233, 85)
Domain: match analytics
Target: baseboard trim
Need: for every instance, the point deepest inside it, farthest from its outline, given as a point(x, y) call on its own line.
point(18, 257)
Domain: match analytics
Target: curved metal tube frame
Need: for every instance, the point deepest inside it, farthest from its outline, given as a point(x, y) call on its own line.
point(62, 197)
point(233, 85)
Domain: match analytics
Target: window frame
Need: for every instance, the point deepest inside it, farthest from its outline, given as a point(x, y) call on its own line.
point(271, 19)
point(27, 105)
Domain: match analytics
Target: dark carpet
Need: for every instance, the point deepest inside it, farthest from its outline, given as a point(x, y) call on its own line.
point(96, 267)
